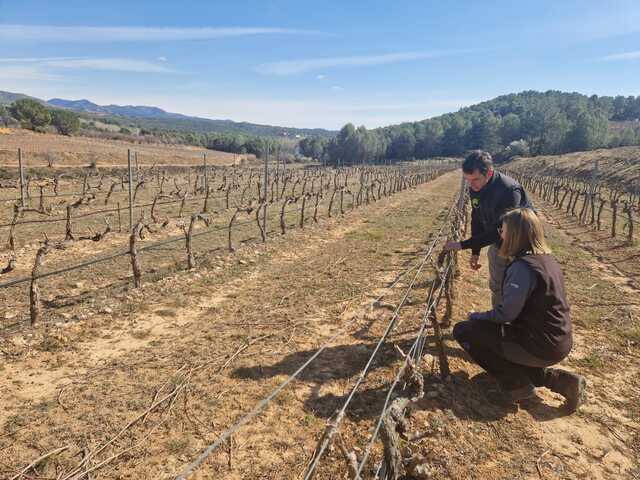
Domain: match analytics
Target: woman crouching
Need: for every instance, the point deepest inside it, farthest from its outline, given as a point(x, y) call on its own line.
point(531, 329)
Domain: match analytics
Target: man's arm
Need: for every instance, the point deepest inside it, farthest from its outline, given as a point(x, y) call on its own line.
point(479, 238)
point(476, 229)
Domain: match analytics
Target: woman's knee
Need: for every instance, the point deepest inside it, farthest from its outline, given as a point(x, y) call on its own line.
point(461, 331)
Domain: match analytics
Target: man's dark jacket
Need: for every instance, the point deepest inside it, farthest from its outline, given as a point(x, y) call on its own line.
point(501, 194)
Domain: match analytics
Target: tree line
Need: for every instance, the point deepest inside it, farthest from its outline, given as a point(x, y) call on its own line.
point(527, 123)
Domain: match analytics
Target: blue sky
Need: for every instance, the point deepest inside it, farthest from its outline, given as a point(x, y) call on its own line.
point(316, 64)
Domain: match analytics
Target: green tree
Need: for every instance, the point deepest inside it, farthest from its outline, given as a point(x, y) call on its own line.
point(546, 128)
point(484, 133)
point(31, 114)
point(5, 116)
point(345, 150)
point(619, 107)
point(510, 128)
point(65, 121)
point(589, 131)
point(628, 137)
point(428, 138)
point(455, 133)
point(403, 143)
point(313, 147)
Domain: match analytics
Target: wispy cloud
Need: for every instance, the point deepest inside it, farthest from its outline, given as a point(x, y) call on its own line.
point(32, 59)
point(337, 88)
point(26, 73)
point(134, 34)
point(321, 77)
point(83, 63)
point(291, 67)
point(112, 64)
point(616, 57)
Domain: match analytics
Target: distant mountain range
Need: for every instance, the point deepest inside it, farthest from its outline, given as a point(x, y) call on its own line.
point(153, 117)
point(8, 97)
point(137, 111)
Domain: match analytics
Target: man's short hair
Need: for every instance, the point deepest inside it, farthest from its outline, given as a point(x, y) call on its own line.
point(478, 160)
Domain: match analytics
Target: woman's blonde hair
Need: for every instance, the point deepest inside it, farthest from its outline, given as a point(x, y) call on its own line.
point(524, 233)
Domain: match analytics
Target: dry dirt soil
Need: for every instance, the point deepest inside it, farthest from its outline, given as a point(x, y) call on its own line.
point(205, 346)
point(39, 148)
point(618, 167)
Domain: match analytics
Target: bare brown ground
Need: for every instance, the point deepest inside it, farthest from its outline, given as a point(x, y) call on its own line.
point(615, 257)
point(65, 151)
point(467, 437)
point(78, 293)
point(84, 381)
point(80, 383)
point(616, 166)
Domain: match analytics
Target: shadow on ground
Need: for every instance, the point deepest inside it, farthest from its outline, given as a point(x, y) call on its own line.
point(474, 398)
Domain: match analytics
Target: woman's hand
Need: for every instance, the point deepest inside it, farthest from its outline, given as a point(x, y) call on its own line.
point(474, 262)
point(452, 245)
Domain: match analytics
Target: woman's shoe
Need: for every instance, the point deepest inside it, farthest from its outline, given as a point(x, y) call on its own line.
point(522, 393)
point(570, 385)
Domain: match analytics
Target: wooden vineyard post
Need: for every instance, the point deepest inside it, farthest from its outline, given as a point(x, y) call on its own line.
point(68, 229)
point(227, 196)
point(22, 182)
point(133, 251)
point(206, 175)
point(119, 219)
point(614, 214)
point(233, 219)
point(260, 226)
point(593, 209)
point(130, 190)
point(16, 214)
point(283, 224)
point(315, 208)
point(265, 199)
point(41, 206)
point(627, 210)
point(205, 207)
point(34, 290)
point(600, 208)
point(304, 201)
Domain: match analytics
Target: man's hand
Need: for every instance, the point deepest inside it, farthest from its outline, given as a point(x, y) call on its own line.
point(474, 262)
point(452, 245)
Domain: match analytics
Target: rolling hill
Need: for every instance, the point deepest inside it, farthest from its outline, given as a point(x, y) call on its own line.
point(150, 117)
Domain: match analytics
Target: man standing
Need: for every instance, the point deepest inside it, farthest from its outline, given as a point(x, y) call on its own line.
point(492, 194)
